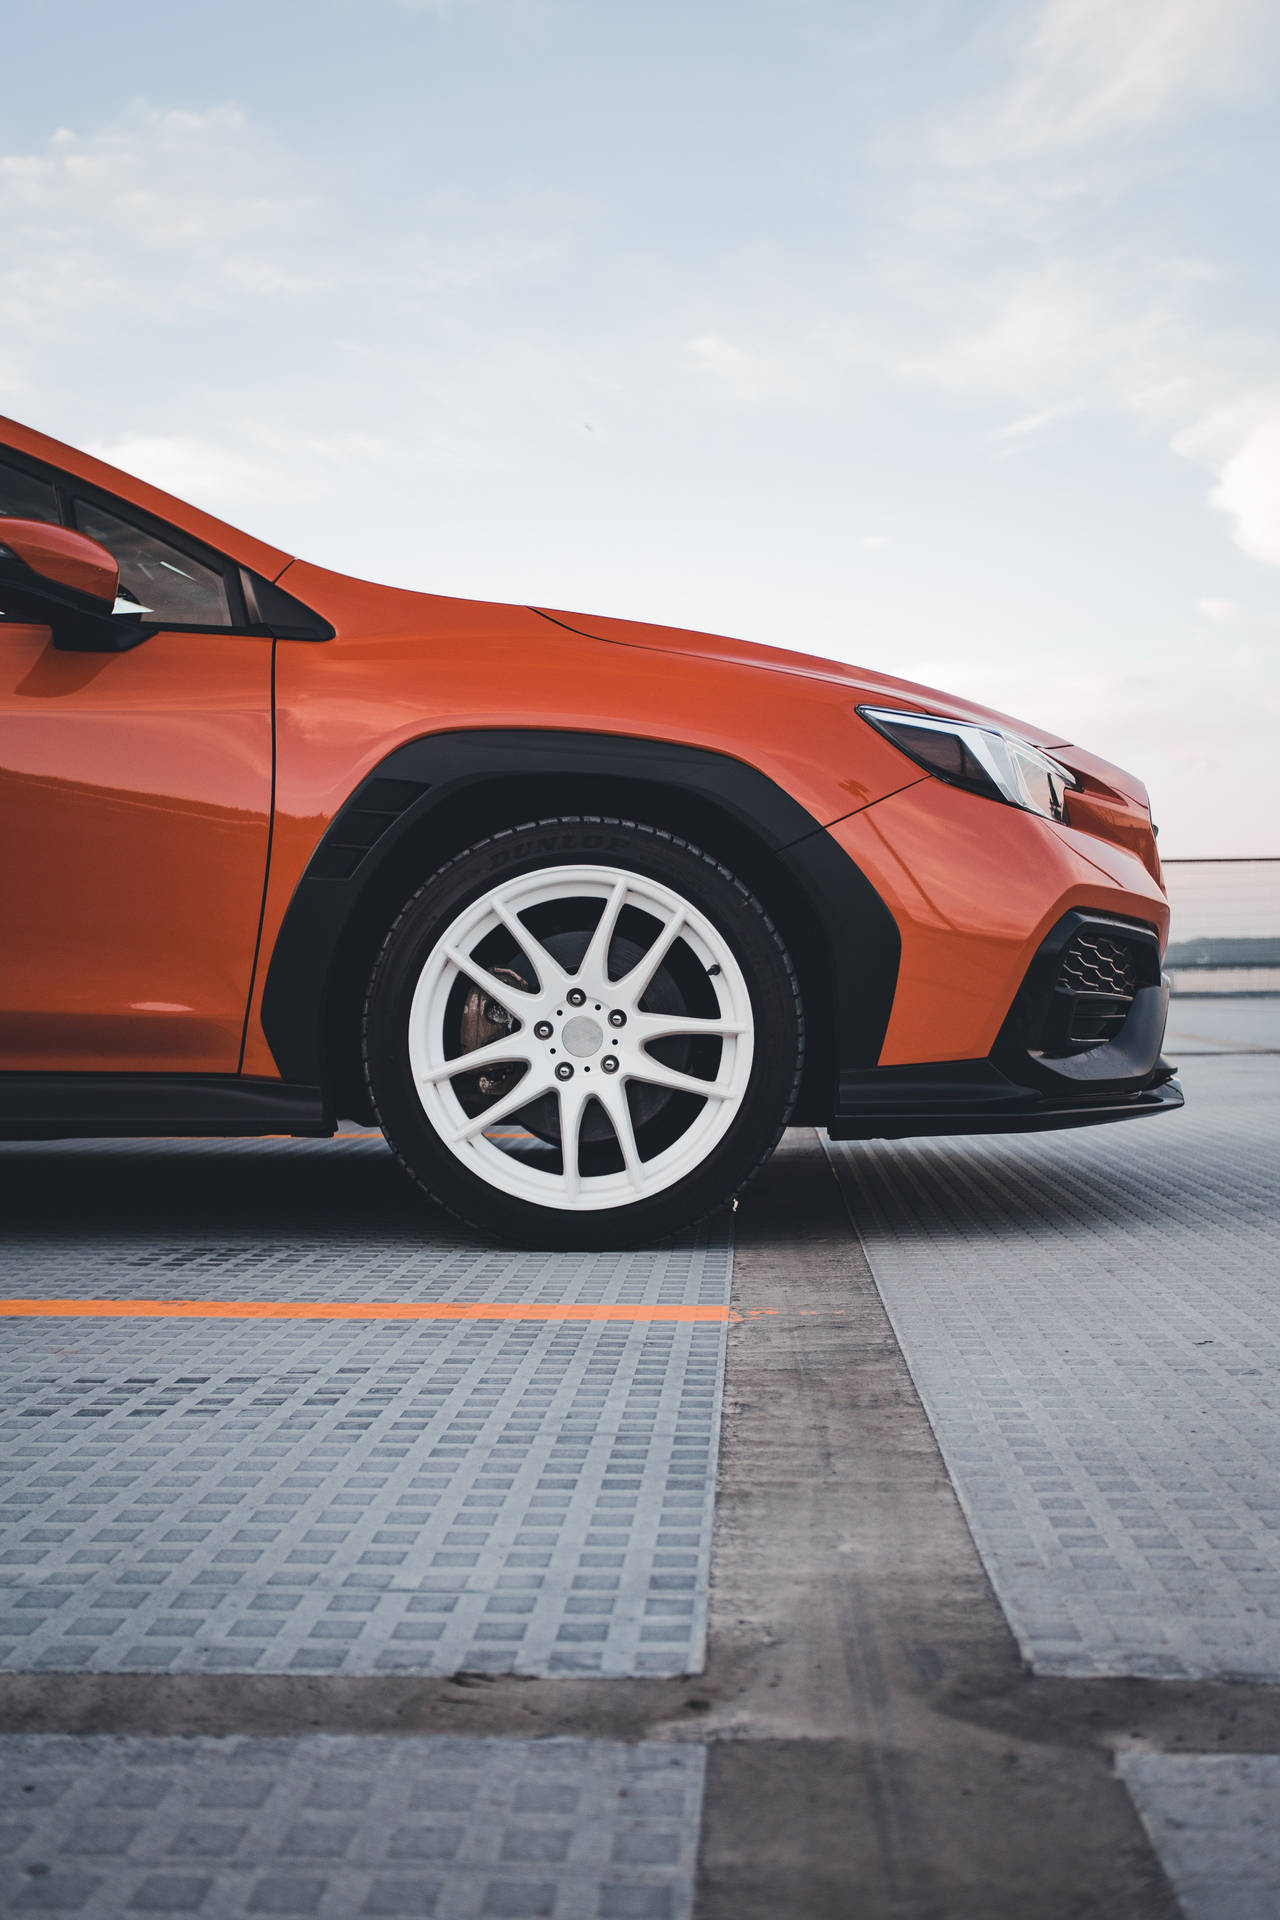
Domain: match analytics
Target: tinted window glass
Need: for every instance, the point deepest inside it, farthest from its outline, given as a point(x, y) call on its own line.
point(164, 582)
point(23, 497)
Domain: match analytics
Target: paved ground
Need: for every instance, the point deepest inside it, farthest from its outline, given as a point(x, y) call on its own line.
point(342, 1593)
point(456, 1828)
point(1213, 1819)
point(354, 1496)
point(1204, 1024)
point(1093, 1324)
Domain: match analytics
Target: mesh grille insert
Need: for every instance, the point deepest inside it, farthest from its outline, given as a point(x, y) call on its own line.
point(1095, 963)
point(1097, 979)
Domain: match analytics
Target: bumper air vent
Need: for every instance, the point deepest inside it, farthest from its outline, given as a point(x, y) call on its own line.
point(1098, 976)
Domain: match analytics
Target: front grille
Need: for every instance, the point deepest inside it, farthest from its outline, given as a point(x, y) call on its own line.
point(1097, 979)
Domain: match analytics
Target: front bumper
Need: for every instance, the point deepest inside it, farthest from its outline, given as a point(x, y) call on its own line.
point(1039, 1074)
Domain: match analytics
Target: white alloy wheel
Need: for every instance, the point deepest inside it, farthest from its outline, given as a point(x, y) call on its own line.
point(556, 1106)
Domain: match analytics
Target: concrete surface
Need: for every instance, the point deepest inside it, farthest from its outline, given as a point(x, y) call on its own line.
point(343, 1499)
point(1215, 1821)
point(1222, 1024)
point(350, 1496)
point(1093, 1322)
point(458, 1829)
point(875, 1744)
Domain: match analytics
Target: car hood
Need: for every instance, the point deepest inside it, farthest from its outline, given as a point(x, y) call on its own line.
point(861, 682)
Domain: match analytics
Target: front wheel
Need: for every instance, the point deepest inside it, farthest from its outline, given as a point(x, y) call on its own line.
point(583, 1033)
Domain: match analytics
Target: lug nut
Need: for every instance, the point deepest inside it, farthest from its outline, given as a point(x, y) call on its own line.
point(543, 1029)
point(609, 1064)
point(617, 1018)
point(564, 1071)
point(575, 996)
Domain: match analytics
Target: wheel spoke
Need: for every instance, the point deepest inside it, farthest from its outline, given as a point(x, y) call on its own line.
point(499, 990)
point(679, 1026)
point(654, 1074)
point(498, 1053)
point(595, 961)
point(551, 975)
point(634, 985)
point(530, 1087)
point(572, 1105)
point(614, 1102)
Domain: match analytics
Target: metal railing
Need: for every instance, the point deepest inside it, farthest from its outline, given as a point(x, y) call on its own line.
point(1225, 936)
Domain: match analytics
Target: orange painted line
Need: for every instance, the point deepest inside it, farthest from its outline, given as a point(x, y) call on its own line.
point(344, 1310)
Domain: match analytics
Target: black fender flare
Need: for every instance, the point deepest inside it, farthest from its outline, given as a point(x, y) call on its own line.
point(430, 797)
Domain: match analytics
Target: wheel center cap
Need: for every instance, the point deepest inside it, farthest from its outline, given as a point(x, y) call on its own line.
point(582, 1034)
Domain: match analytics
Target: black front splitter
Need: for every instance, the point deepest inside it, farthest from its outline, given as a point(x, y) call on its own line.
point(1032, 1116)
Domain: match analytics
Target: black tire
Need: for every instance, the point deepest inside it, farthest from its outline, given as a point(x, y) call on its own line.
point(738, 918)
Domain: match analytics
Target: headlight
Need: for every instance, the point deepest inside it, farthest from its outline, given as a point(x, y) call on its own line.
point(984, 759)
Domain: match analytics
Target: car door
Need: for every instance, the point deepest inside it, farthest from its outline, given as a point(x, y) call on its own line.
point(135, 801)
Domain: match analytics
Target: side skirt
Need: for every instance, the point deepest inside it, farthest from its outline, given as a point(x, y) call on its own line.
point(66, 1106)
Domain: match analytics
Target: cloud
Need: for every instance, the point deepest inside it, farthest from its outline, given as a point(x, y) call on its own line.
point(251, 328)
point(1090, 70)
point(167, 216)
point(743, 373)
point(228, 478)
point(1221, 613)
point(1239, 442)
point(1248, 490)
point(1069, 334)
point(185, 465)
point(1254, 637)
point(1046, 330)
point(1103, 313)
point(160, 215)
point(1069, 338)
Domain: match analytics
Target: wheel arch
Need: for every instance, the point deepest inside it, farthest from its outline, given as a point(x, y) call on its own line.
point(431, 798)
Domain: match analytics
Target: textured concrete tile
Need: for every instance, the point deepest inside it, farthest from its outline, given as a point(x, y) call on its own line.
point(157, 1249)
point(355, 1497)
point(329, 1498)
point(337, 1827)
point(1093, 1322)
point(1214, 1820)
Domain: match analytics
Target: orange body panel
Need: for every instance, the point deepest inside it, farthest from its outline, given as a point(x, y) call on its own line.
point(402, 665)
point(974, 888)
point(877, 689)
point(135, 793)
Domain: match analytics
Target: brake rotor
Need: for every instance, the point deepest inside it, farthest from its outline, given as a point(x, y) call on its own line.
point(484, 1020)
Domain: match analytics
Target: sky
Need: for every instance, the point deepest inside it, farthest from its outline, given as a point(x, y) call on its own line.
point(940, 336)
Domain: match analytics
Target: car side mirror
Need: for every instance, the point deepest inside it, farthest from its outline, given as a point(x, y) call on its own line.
point(63, 580)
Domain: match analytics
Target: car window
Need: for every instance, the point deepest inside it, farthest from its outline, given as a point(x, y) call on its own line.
point(165, 583)
point(24, 497)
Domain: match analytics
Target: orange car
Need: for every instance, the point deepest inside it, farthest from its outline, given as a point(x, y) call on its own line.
point(581, 912)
